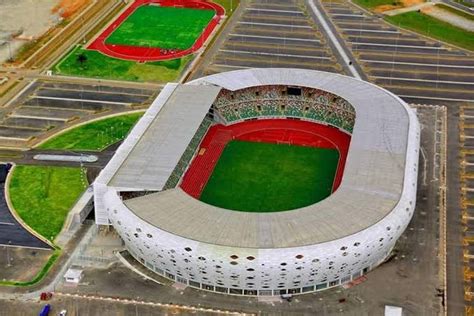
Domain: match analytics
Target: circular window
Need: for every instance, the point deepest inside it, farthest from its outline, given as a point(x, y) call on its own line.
point(250, 258)
point(149, 235)
point(234, 257)
point(250, 269)
point(233, 263)
point(202, 258)
point(343, 248)
point(283, 264)
point(187, 249)
point(356, 244)
point(299, 257)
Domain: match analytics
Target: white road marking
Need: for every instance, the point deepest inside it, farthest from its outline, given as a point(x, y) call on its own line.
point(425, 80)
point(370, 31)
point(279, 38)
point(7, 223)
point(346, 14)
point(36, 117)
point(415, 64)
point(398, 46)
point(434, 98)
point(272, 54)
point(274, 10)
point(81, 100)
point(277, 25)
point(232, 66)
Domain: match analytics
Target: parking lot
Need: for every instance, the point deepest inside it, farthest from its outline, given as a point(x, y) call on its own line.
point(467, 200)
point(415, 68)
point(273, 33)
point(45, 107)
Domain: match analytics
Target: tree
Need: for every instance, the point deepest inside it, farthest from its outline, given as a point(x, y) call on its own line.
point(82, 59)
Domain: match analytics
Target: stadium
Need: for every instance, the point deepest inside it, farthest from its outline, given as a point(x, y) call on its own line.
point(264, 181)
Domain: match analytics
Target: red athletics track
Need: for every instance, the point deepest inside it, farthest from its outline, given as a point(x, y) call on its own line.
point(142, 54)
point(281, 131)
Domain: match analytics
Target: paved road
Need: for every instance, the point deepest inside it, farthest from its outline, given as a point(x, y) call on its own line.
point(11, 232)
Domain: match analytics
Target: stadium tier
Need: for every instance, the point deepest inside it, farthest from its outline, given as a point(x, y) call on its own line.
point(153, 190)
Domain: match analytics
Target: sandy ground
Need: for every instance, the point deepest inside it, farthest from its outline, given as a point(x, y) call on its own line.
point(30, 18)
point(402, 4)
point(450, 18)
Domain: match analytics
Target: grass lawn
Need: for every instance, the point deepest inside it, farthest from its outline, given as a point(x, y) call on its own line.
point(43, 196)
point(164, 27)
point(98, 65)
point(375, 3)
point(94, 136)
point(435, 28)
point(228, 5)
point(259, 177)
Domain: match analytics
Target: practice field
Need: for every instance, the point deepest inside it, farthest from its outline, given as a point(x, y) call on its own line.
point(265, 177)
point(163, 27)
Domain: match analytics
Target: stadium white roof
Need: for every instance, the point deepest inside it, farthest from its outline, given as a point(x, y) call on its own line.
point(158, 149)
point(384, 136)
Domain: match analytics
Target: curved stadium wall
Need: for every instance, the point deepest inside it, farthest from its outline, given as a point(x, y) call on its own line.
point(297, 266)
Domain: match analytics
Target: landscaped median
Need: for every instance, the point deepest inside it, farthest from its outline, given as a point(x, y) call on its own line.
point(82, 62)
point(43, 195)
point(94, 136)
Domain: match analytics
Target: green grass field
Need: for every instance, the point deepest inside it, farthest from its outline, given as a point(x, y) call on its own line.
point(164, 27)
point(259, 177)
point(228, 5)
point(94, 136)
point(435, 28)
point(42, 196)
point(101, 66)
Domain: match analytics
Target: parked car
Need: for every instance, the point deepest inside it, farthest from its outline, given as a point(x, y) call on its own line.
point(45, 310)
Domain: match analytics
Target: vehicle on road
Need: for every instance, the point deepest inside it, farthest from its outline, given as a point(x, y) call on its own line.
point(45, 310)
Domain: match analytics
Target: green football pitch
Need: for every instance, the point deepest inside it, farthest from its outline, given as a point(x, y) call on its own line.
point(264, 177)
point(164, 27)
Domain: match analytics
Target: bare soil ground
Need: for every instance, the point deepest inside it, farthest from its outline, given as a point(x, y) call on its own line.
point(26, 19)
point(25, 263)
point(401, 4)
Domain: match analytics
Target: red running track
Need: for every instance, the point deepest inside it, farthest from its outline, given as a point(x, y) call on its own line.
point(280, 131)
point(143, 54)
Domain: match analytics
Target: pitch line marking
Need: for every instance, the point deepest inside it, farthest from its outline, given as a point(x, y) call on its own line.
point(278, 25)
point(425, 80)
point(279, 38)
point(415, 64)
point(80, 100)
point(273, 54)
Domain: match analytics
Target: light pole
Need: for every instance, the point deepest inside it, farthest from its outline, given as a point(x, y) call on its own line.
point(8, 253)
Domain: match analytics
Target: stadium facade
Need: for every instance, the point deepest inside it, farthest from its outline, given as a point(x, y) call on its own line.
point(308, 249)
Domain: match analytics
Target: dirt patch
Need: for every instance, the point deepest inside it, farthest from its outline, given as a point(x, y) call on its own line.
point(67, 8)
point(386, 7)
point(24, 263)
point(397, 5)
